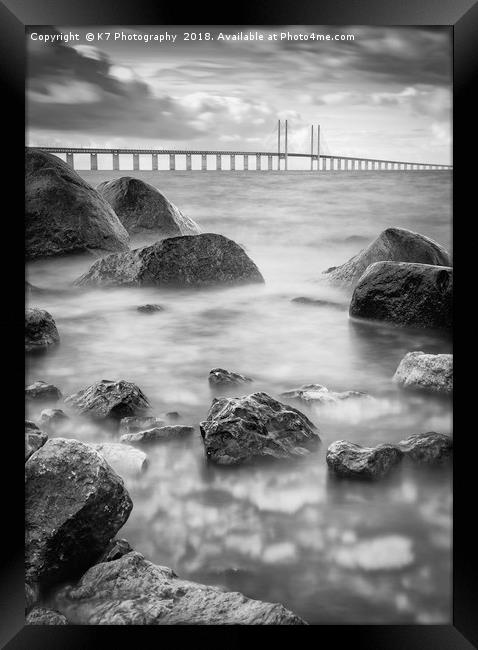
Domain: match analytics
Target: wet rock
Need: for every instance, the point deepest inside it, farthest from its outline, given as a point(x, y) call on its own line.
point(43, 392)
point(40, 330)
point(74, 505)
point(350, 460)
point(393, 244)
point(43, 616)
point(429, 448)
point(115, 549)
point(109, 399)
point(189, 261)
point(241, 428)
point(149, 309)
point(141, 207)
point(140, 423)
point(125, 460)
point(53, 419)
point(320, 394)
point(432, 372)
point(63, 213)
point(221, 377)
point(414, 295)
point(133, 591)
point(34, 438)
point(160, 434)
point(316, 302)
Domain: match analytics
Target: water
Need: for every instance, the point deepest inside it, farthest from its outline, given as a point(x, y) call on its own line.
point(332, 551)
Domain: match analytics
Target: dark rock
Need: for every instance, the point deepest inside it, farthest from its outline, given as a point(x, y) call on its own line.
point(125, 460)
point(34, 439)
point(349, 460)
point(109, 399)
point(74, 505)
point(431, 372)
point(138, 423)
point(240, 428)
point(157, 435)
point(320, 394)
point(430, 448)
point(31, 596)
point(316, 302)
point(393, 244)
point(149, 309)
point(115, 549)
point(63, 213)
point(53, 419)
point(141, 207)
point(173, 415)
point(221, 377)
point(43, 616)
point(414, 295)
point(190, 261)
point(43, 392)
point(40, 330)
point(133, 591)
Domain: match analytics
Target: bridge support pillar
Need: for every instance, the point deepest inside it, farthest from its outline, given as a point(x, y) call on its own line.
point(353, 164)
point(246, 163)
point(258, 162)
point(93, 161)
point(172, 162)
point(136, 161)
point(70, 160)
point(324, 164)
point(154, 162)
point(339, 164)
point(269, 163)
point(233, 162)
point(218, 161)
point(203, 162)
point(116, 161)
point(188, 162)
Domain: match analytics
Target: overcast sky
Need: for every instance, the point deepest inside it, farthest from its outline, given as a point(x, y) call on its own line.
point(387, 94)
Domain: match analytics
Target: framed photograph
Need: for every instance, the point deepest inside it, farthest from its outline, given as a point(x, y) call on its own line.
point(238, 313)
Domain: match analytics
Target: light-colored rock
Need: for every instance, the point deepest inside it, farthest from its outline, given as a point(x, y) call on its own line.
point(319, 394)
point(157, 434)
point(42, 392)
point(350, 460)
point(137, 423)
point(53, 419)
point(124, 459)
point(428, 448)
point(431, 372)
point(222, 377)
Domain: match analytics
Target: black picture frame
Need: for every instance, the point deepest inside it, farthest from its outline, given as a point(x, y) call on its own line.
point(462, 15)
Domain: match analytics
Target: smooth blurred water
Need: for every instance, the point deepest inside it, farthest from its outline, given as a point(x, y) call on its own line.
point(333, 551)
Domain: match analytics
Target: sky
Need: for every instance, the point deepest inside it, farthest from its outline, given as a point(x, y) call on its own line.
point(386, 94)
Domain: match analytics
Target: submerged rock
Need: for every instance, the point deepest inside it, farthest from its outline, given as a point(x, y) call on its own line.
point(414, 295)
point(158, 434)
point(140, 423)
point(432, 372)
point(43, 616)
point(149, 309)
point(125, 460)
point(109, 399)
point(74, 505)
point(53, 419)
point(141, 207)
point(221, 377)
point(133, 591)
point(63, 213)
point(431, 448)
point(393, 244)
point(40, 330)
point(238, 429)
point(317, 302)
point(320, 394)
point(350, 460)
point(42, 392)
point(34, 438)
point(189, 261)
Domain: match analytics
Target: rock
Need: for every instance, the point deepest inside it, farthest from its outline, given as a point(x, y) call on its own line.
point(346, 459)
point(125, 460)
point(320, 394)
point(189, 261)
point(138, 423)
point(414, 295)
point(43, 616)
point(393, 244)
point(43, 392)
point(53, 419)
point(238, 429)
point(31, 596)
point(40, 330)
point(316, 302)
point(432, 372)
point(109, 399)
point(149, 309)
point(74, 505)
point(34, 438)
point(157, 434)
point(221, 377)
point(431, 448)
point(65, 214)
point(173, 415)
point(141, 207)
point(133, 591)
point(115, 549)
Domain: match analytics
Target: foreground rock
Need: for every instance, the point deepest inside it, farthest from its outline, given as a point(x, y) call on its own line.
point(221, 377)
point(240, 428)
point(141, 207)
point(320, 394)
point(160, 434)
point(43, 392)
point(125, 460)
point(432, 372)
point(429, 448)
point(43, 616)
point(74, 505)
point(109, 399)
point(414, 295)
point(140, 423)
point(190, 261)
point(64, 214)
point(34, 438)
point(133, 591)
point(40, 330)
point(393, 244)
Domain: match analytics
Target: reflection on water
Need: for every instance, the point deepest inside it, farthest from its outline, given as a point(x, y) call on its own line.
point(333, 551)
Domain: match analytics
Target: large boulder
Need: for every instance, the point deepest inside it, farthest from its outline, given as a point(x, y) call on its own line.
point(40, 330)
point(393, 244)
point(414, 295)
point(74, 505)
point(237, 429)
point(193, 260)
point(431, 372)
point(349, 460)
point(64, 214)
point(427, 448)
point(109, 399)
point(141, 207)
point(133, 591)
